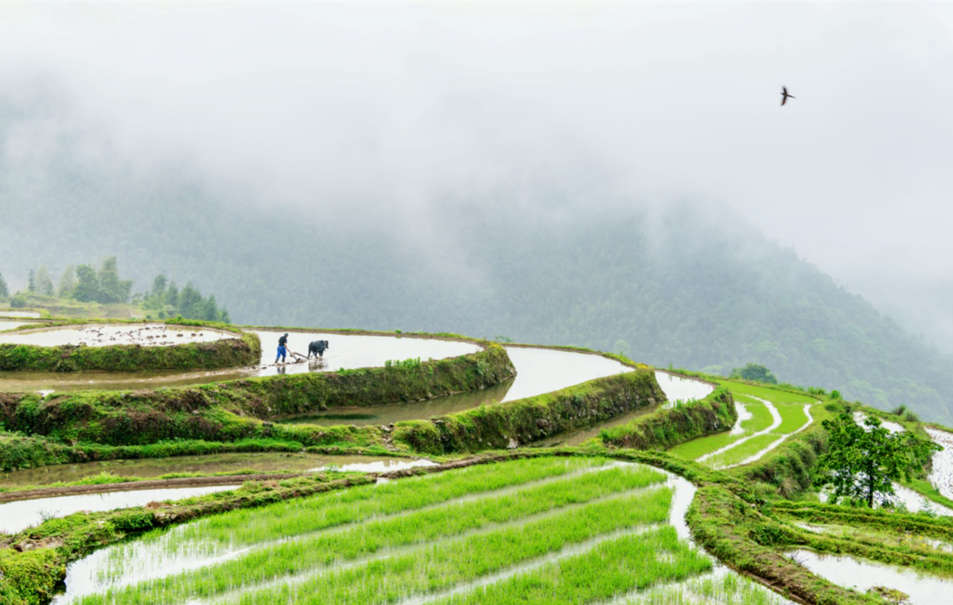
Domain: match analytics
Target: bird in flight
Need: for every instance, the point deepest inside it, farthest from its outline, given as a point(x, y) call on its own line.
point(785, 96)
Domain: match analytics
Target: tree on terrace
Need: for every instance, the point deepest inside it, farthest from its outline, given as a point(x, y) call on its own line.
point(4, 290)
point(863, 461)
point(756, 373)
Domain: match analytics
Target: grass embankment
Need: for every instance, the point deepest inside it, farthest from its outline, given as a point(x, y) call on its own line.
point(743, 537)
point(512, 423)
point(311, 552)
point(18, 452)
point(242, 349)
point(235, 410)
point(670, 426)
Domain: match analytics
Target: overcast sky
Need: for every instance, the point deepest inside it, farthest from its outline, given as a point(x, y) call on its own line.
point(390, 106)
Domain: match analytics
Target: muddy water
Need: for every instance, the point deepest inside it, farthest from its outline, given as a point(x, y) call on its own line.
point(863, 575)
point(147, 335)
point(346, 351)
point(17, 516)
point(207, 464)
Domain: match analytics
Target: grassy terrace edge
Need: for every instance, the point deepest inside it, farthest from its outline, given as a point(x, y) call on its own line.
point(239, 409)
point(243, 349)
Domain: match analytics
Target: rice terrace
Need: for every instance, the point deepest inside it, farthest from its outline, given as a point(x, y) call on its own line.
point(476, 303)
point(428, 468)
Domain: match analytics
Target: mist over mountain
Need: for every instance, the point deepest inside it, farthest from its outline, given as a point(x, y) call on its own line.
point(576, 260)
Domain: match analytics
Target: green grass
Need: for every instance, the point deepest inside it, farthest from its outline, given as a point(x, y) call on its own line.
point(764, 392)
point(297, 556)
point(760, 420)
point(612, 568)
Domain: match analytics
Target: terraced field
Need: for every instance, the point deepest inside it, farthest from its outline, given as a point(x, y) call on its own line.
point(542, 530)
point(766, 418)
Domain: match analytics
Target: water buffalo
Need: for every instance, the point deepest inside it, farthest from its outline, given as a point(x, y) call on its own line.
point(318, 347)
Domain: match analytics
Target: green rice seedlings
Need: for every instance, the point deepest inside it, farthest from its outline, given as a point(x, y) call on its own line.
point(446, 564)
point(728, 589)
point(249, 526)
point(610, 569)
point(297, 556)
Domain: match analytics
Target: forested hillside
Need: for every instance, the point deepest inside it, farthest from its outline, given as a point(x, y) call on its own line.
point(666, 286)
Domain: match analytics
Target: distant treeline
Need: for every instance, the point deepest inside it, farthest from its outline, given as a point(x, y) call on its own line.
point(84, 283)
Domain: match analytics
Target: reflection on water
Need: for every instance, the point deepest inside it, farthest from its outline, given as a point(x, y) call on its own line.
point(679, 388)
point(17, 516)
point(206, 464)
point(146, 335)
point(541, 371)
point(389, 414)
point(864, 575)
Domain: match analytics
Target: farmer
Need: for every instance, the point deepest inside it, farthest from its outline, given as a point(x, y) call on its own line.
point(282, 348)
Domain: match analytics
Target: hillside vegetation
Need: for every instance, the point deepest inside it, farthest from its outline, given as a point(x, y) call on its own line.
point(672, 287)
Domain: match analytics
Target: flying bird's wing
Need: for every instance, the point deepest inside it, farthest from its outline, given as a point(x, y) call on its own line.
point(784, 90)
point(784, 99)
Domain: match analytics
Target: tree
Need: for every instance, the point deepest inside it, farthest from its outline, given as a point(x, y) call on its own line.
point(87, 287)
point(4, 290)
point(863, 461)
point(755, 372)
point(31, 282)
point(158, 286)
point(42, 283)
point(111, 288)
point(67, 283)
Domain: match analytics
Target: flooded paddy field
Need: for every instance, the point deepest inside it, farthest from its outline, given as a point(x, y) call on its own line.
point(19, 314)
point(152, 468)
point(538, 371)
point(550, 530)
point(6, 324)
point(19, 515)
point(345, 352)
point(863, 576)
point(92, 335)
point(941, 475)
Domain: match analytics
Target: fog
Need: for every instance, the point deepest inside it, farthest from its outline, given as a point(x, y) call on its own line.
point(390, 114)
